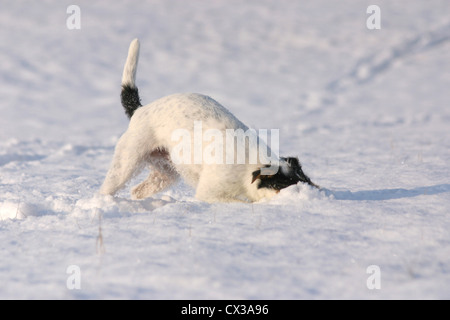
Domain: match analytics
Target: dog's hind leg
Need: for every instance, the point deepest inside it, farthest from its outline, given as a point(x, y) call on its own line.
point(155, 182)
point(161, 176)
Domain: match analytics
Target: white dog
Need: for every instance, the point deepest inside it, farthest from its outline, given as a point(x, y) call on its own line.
point(149, 141)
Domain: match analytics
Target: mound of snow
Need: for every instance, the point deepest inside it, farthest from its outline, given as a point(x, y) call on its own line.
point(18, 210)
point(111, 206)
point(299, 192)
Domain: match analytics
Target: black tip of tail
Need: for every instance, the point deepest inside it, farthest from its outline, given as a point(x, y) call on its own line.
point(130, 99)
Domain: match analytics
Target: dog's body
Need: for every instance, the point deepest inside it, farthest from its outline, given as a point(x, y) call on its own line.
point(149, 141)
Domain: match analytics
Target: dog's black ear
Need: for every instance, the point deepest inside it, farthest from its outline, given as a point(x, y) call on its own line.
point(293, 162)
point(291, 173)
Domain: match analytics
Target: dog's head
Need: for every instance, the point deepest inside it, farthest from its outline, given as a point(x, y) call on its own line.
point(289, 172)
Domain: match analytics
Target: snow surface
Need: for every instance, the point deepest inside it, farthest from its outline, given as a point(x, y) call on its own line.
point(367, 112)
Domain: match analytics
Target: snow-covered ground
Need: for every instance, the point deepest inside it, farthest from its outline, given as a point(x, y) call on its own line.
point(367, 112)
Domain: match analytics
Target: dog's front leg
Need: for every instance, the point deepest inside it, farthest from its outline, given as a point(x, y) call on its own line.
point(129, 159)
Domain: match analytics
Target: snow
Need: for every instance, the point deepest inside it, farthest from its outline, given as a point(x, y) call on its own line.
point(366, 111)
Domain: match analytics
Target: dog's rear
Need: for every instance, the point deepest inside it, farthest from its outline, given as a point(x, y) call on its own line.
point(130, 94)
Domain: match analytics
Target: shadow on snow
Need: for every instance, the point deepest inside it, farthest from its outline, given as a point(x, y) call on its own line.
point(388, 194)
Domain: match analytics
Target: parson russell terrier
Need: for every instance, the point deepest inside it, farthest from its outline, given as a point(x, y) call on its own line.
point(149, 141)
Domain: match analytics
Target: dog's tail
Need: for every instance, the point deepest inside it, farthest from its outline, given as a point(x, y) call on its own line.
point(130, 94)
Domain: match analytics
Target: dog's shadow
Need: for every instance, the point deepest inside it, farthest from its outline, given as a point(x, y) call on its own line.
point(387, 194)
